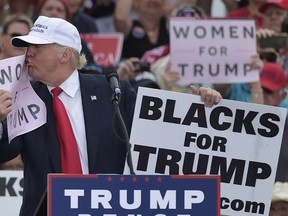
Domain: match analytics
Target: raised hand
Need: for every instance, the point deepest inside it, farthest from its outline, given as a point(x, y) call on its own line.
point(209, 96)
point(5, 104)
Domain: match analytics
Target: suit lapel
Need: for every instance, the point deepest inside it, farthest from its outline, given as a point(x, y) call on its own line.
point(52, 142)
point(91, 101)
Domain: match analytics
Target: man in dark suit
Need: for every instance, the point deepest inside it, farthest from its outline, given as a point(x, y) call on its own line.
point(53, 59)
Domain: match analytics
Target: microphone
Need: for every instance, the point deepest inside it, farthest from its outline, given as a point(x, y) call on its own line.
point(113, 78)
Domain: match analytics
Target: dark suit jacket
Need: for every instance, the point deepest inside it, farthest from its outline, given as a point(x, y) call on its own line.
point(40, 148)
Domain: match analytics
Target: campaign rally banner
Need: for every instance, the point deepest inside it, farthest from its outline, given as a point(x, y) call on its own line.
point(28, 110)
point(106, 48)
point(213, 50)
point(133, 195)
point(11, 191)
point(175, 134)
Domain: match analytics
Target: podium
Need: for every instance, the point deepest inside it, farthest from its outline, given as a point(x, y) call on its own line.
point(137, 195)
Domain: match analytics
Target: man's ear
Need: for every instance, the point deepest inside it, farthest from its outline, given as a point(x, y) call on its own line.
point(66, 55)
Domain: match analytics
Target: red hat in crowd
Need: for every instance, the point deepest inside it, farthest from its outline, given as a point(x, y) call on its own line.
point(273, 77)
point(278, 3)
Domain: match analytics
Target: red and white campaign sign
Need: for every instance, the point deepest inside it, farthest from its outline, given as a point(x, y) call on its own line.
point(106, 48)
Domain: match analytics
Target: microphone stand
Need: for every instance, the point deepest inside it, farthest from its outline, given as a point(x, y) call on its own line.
point(115, 102)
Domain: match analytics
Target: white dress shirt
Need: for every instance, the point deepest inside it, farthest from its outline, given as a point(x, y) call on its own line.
point(71, 98)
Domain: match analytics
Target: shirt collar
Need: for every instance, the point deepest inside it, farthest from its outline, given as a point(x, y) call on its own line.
point(70, 85)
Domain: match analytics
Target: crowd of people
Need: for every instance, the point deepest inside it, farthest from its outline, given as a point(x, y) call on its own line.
point(145, 26)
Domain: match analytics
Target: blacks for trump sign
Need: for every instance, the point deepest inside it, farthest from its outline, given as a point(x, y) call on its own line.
point(133, 195)
point(174, 133)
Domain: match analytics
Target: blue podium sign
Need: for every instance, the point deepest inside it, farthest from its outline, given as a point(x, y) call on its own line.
point(133, 195)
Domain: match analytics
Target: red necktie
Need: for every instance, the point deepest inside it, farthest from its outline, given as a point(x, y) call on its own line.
point(70, 159)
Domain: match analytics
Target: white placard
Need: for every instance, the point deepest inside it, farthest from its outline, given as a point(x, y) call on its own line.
point(213, 50)
point(11, 190)
point(174, 133)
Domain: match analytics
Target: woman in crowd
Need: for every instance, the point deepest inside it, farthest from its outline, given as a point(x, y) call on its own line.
point(14, 25)
point(146, 32)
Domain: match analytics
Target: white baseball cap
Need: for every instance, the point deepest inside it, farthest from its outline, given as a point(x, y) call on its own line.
point(48, 30)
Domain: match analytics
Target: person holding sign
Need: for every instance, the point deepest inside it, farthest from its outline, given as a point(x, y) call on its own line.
point(81, 101)
point(166, 77)
point(53, 57)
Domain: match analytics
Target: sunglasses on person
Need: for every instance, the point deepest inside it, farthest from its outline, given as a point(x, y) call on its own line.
point(267, 91)
point(188, 11)
point(14, 34)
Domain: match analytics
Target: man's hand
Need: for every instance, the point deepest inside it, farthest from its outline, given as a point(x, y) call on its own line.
point(209, 96)
point(126, 69)
point(170, 77)
point(5, 104)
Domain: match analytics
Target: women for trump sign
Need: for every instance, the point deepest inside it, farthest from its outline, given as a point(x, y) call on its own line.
point(213, 50)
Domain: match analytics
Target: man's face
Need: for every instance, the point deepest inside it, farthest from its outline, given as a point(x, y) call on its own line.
point(15, 29)
point(274, 18)
point(42, 62)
